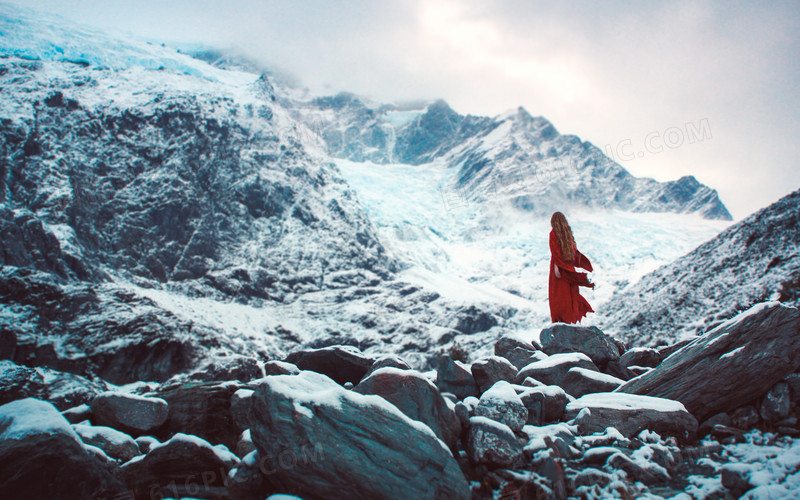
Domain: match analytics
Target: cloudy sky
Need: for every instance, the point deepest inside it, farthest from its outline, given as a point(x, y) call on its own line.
point(667, 89)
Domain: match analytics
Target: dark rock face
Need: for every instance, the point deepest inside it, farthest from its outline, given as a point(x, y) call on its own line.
point(184, 465)
point(341, 363)
point(417, 397)
point(388, 360)
point(640, 356)
point(346, 442)
point(491, 369)
point(115, 444)
point(492, 443)
point(129, 413)
point(580, 381)
point(456, 378)
point(47, 459)
point(591, 341)
point(20, 382)
point(203, 410)
point(545, 403)
point(714, 373)
point(777, 403)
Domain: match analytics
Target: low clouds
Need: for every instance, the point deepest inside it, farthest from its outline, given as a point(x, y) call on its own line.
point(608, 72)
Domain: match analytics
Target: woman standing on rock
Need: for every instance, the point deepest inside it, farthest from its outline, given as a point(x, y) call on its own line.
point(566, 304)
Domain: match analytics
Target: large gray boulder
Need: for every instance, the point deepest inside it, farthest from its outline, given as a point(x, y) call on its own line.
point(455, 377)
point(129, 413)
point(589, 340)
point(492, 443)
point(507, 343)
point(630, 414)
point(114, 443)
point(342, 363)
point(41, 456)
point(417, 397)
point(580, 381)
point(732, 365)
point(359, 446)
point(491, 369)
point(640, 356)
point(551, 371)
point(544, 403)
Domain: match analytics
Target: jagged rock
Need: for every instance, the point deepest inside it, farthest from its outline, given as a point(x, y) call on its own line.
point(580, 381)
point(19, 382)
point(727, 434)
point(615, 369)
point(668, 350)
point(342, 363)
point(200, 409)
point(41, 456)
point(338, 440)
point(388, 360)
point(631, 413)
point(507, 343)
point(745, 417)
point(545, 404)
point(561, 338)
point(492, 443)
point(277, 367)
point(185, 465)
point(738, 361)
point(417, 397)
point(455, 377)
point(501, 404)
point(247, 481)
point(489, 370)
point(228, 368)
point(532, 382)
point(245, 445)
point(777, 403)
point(638, 370)
point(241, 406)
point(640, 356)
point(521, 357)
point(114, 443)
point(551, 371)
point(129, 413)
point(718, 419)
point(66, 390)
point(589, 477)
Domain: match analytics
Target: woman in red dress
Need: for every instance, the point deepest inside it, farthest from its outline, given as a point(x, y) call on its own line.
point(566, 304)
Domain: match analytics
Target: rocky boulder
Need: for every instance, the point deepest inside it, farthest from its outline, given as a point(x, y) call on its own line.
point(590, 341)
point(114, 443)
point(551, 371)
point(630, 414)
point(391, 360)
point(492, 443)
point(129, 413)
point(318, 437)
point(501, 404)
point(342, 363)
point(455, 377)
point(640, 356)
point(491, 369)
point(417, 397)
point(544, 403)
point(41, 456)
point(735, 363)
point(580, 381)
point(507, 343)
point(184, 466)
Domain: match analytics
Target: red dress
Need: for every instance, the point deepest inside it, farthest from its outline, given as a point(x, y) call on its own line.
point(566, 304)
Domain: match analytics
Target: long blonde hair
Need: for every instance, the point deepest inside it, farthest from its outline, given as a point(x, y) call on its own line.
point(564, 235)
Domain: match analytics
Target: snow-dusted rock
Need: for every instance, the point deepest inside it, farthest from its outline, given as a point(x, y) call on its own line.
point(19, 382)
point(78, 413)
point(580, 381)
point(490, 369)
point(590, 340)
point(147, 443)
point(200, 409)
point(245, 445)
point(241, 406)
point(521, 357)
point(640, 356)
point(342, 363)
point(417, 397)
point(128, 412)
point(501, 404)
point(278, 367)
point(638, 470)
point(360, 446)
point(392, 360)
point(734, 364)
point(114, 443)
point(492, 443)
point(508, 343)
point(544, 403)
point(551, 371)
point(41, 456)
point(183, 465)
point(631, 414)
point(455, 377)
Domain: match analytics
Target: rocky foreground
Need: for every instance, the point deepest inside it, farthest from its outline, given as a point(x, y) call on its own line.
point(577, 416)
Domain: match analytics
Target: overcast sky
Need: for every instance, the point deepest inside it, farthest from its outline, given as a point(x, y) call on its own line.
point(668, 89)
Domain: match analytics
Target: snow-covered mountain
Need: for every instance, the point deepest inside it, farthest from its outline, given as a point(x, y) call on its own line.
point(755, 260)
point(163, 213)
